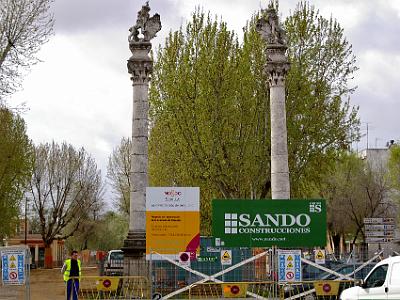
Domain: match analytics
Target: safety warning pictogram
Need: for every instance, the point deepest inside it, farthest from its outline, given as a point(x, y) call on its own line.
point(289, 275)
point(320, 256)
point(226, 257)
point(13, 263)
point(289, 265)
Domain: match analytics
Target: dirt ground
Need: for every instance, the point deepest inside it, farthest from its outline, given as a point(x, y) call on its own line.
point(44, 285)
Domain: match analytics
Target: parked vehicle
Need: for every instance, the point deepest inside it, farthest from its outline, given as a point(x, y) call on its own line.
point(313, 273)
point(114, 263)
point(347, 269)
point(309, 272)
point(383, 282)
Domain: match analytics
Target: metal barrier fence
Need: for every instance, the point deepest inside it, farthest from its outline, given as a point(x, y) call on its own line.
point(173, 278)
point(112, 287)
point(321, 290)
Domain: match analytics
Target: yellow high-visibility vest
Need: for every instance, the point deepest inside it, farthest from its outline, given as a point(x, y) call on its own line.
point(68, 269)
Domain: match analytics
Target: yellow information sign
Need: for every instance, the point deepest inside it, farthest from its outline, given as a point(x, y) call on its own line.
point(107, 284)
point(234, 290)
point(172, 221)
point(326, 288)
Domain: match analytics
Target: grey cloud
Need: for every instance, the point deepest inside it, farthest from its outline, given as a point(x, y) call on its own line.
point(378, 29)
point(381, 114)
point(87, 15)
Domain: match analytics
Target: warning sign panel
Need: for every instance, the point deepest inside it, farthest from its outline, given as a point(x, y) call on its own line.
point(226, 257)
point(13, 261)
point(319, 256)
point(289, 265)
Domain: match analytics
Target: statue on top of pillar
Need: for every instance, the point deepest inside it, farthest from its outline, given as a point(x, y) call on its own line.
point(149, 26)
point(269, 28)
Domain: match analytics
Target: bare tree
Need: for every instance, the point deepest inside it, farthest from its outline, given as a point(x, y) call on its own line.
point(25, 25)
point(118, 172)
point(64, 189)
point(356, 191)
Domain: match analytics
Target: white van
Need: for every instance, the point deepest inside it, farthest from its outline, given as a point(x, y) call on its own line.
point(383, 282)
point(114, 263)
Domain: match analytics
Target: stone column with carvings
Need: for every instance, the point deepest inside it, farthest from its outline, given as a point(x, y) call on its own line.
point(276, 68)
point(140, 67)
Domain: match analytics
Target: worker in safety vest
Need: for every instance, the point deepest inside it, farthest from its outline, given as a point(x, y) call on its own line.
point(72, 274)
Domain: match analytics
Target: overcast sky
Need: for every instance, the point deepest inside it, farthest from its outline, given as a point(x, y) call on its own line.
point(81, 92)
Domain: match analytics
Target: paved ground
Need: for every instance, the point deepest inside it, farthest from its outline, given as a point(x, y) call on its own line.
point(45, 285)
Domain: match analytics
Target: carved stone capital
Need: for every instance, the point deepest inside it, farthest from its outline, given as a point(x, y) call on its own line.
point(277, 74)
point(140, 71)
point(140, 64)
point(277, 65)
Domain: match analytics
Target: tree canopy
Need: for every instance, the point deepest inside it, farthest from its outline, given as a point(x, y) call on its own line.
point(394, 167)
point(356, 190)
point(210, 107)
point(118, 173)
point(16, 161)
point(65, 187)
point(25, 25)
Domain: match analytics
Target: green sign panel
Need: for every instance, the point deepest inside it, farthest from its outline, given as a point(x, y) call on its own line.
point(264, 223)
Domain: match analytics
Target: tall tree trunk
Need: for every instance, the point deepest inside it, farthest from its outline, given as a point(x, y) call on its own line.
point(48, 257)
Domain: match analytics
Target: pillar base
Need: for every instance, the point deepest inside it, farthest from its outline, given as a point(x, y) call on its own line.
point(135, 245)
point(135, 263)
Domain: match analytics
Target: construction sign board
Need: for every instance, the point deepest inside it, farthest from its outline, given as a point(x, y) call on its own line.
point(234, 290)
point(326, 288)
point(319, 256)
point(378, 220)
point(226, 257)
point(13, 265)
point(289, 268)
point(266, 223)
point(172, 222)
point(379, 230)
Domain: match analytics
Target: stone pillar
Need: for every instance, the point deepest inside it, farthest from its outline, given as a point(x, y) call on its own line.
point(140, 66)
point(276, 68)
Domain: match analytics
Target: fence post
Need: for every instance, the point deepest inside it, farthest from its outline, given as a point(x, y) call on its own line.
point(28, 274)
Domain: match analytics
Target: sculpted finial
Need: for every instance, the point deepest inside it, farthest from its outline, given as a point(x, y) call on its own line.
point(269, 28)
point(149, 26)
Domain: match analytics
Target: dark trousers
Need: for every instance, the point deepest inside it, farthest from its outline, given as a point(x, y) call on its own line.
point(72, 289)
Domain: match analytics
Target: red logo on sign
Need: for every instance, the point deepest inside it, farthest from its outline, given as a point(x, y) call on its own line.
point(107, 283)
point(289, 275)
point(184, 257)
point(13, 275)
point(326, 287)
point(235, 289)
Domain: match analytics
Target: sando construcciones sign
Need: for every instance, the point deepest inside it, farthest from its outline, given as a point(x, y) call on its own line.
point(265, 223)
